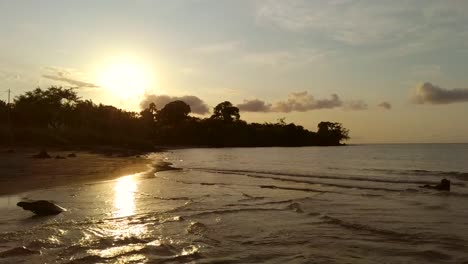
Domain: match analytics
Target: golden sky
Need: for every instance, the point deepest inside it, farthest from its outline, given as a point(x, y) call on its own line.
point(390, 71)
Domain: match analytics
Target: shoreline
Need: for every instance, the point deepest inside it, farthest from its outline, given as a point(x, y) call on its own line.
point(20, 173)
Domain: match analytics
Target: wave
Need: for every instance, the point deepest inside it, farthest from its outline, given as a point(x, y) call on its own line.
point(327, 177)
point(361, 227)
point(160, 252)
point(344, 186)
point(294, 189)
point(251, 198)
point(231, 211)
point(456, 174)
point(183, 198)
point(307, 182)
point(445, 241)
point(264, 175)
point(293, 206)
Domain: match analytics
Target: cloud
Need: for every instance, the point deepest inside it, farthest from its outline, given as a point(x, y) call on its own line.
point(367, 22)
point(296, 102)
point(356, 105)
point(302, 102)
point(338, 20)
point(196, 104)
point(254, 105)
point(385, 105)
point(428, 93)
point(68, 76)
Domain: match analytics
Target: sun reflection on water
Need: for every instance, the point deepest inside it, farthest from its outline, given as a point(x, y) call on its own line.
point(124, 201)
point(128, 234)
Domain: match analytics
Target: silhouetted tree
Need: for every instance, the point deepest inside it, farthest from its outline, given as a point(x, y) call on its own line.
point(45, 107)
point(332, 133)
point(148, 115)
point(3, 112)
point(174, 112)
point(226, 111)
point(57, 116)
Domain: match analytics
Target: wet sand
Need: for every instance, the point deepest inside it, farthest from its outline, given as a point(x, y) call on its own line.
point(19, 172)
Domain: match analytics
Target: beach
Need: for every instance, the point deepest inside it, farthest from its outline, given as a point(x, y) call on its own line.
point(21, 172)
point(354, 204)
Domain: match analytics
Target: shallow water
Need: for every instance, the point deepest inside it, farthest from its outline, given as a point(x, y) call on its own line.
point(356, 204)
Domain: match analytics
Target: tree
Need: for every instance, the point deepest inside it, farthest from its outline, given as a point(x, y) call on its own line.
point(3, 112)
point(174, 112)
point(76, 121)
point(226, 111)
point(331, 133)
point(148, 115)
point(44, 108)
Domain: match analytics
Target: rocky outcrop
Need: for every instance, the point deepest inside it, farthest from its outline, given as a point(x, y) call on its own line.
point(41, 207)
point(42, 155)
point(18, 251)
point(444, 185)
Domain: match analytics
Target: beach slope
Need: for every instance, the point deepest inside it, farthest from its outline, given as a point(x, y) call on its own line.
point(19, 172)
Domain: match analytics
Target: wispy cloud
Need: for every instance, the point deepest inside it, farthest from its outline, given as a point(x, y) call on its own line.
point(385, 105)
point(367, 22)
point(301, 102)
point(197, 105)
point(68, 76)
point(351, 23)
point(427, 93)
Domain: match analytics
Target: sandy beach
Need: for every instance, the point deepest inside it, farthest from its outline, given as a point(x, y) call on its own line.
point(19, 172)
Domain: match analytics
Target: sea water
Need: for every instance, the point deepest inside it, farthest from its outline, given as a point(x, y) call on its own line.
point(351, 204)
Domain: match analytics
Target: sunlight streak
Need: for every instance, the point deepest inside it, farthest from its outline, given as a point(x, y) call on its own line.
point(124, 201)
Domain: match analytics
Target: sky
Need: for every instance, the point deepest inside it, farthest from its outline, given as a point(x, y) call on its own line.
point(390, 71)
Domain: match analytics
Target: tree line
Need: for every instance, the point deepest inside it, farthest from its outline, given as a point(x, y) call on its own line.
point(58, 116)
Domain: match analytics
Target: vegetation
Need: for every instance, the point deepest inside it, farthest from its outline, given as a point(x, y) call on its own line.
point(57, 116)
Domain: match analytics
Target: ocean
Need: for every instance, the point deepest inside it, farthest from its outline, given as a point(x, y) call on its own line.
point(349, 204)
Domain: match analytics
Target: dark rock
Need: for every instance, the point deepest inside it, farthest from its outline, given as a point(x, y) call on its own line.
point(444, 185)
point(18, 251)
point(42, 155)
point(10, 151)
point(41, 207)
point(71, 155)
point(60, 157)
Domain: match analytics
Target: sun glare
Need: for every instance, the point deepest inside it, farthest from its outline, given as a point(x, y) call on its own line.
point(126, 78)
point(124, 202)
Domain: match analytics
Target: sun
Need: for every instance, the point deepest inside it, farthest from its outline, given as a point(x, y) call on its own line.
point(126, 78)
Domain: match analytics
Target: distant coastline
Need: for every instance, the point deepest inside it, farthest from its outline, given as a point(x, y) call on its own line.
point(57, 117)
